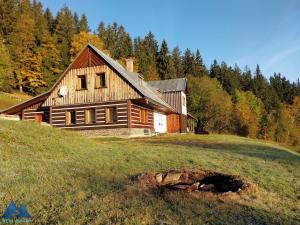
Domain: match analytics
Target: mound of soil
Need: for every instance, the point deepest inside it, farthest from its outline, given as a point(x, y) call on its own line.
point(194, 181)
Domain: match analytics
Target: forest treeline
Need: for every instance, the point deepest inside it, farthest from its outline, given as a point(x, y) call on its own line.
point(37, 46)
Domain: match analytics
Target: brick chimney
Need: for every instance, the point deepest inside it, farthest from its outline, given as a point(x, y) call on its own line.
point(129, 64)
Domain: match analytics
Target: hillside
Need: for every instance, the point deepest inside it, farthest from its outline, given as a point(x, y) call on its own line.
point(7, 100)
point(64, 178)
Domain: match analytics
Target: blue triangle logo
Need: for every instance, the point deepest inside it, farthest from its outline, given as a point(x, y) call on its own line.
point(23, 213)
point(10, 212)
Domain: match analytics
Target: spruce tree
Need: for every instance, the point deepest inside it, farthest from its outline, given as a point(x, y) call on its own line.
point(246, 79)
point(46, 48)
point(8, 17)
point(102, 31)
point(83, 24)
point(163, 61)
point(187, 62)
point(64, 30)
point(6, 69)
point(76, 21)
point(50, 20)
point(123, 48)
point(145, 51)
point(215, 70)
point(199, 69)
point(177, 62)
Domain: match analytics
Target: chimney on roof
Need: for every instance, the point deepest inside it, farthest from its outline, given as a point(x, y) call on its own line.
point(129, 64)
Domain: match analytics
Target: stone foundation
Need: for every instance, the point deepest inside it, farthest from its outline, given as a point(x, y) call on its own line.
point(119, 132)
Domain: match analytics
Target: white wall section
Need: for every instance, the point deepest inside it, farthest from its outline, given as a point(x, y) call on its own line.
point(160, 122)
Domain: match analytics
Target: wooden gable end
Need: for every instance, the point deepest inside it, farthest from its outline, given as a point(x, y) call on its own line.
point(87, 58)
point(90, 64)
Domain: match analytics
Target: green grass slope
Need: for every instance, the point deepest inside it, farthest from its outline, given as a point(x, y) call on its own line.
point(7, 100)
point(64, 178)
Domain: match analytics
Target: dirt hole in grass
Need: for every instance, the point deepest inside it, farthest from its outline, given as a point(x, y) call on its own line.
point(194, 181)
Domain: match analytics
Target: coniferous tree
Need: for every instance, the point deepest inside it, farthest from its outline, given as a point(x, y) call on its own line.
point(76, 21)
point(215, 70)
point(246, 79)
point(260, 87)
point(163, 61)
point(123, 48)
point(8, 17)
point(146, 54)
point(102, 31)
point(50, 20)
point(45, 48)
point(65, 28)
point(83, 24)
point(177, 62)
point(6, 69)
point(283, 88)
point(187, 62)
point(199, 69)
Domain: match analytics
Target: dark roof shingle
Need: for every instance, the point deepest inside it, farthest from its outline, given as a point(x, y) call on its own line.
point(179, 84)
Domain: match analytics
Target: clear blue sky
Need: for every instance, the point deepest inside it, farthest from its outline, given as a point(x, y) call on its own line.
point(264, 32)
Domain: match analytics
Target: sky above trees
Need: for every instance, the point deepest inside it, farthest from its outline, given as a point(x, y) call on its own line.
point(243, 32)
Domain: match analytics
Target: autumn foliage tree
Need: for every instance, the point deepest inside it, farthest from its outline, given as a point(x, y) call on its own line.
point(247, 113)
point(27, 67)
point(82, 39)
point(210, 104)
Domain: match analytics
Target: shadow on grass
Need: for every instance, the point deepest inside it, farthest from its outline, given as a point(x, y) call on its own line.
point(251, 150)
point(126, 201)
point(207, 211)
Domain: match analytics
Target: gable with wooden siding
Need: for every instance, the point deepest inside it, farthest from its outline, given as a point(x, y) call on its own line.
point(116, 88)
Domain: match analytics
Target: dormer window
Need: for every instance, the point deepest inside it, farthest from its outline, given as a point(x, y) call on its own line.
point(100, 81)
point(81, 82)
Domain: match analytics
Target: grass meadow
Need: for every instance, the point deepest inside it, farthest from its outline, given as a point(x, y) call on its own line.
point(65, 178)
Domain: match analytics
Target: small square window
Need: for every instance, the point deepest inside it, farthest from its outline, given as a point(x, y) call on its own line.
point(70, 117)
point(81, 82)
point(100, 81)
point(90, 116)
point(111, 115)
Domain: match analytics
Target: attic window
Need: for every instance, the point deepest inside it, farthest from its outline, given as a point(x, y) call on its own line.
point(81, 82)
point(100, 80)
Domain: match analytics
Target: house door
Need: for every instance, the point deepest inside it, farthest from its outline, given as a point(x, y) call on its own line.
point(38, 118)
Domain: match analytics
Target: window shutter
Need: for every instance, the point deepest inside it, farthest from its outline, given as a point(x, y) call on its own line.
point(67, 118)
point(107, 115)
point(87, 120)
point(97, 81)
point(78, 83)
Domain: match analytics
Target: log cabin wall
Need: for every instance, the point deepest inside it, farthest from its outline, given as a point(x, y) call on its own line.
point(136, 117)
point(58, 115)
point(116, 88)
point(29, 114)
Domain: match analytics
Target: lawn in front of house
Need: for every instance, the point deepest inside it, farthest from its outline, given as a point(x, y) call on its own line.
point(65, 178)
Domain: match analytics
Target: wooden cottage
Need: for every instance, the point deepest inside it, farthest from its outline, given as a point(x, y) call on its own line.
point(99, 96)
